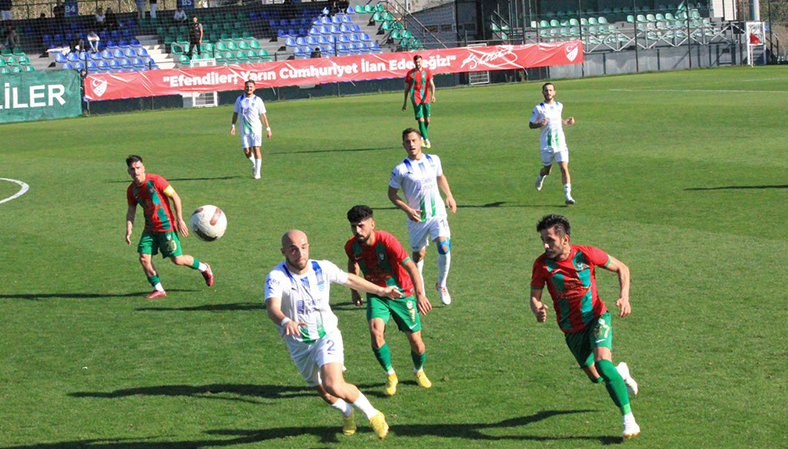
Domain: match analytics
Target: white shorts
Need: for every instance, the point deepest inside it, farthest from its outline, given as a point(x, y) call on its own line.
point(309, 358)
point(422, 233)
point(251, 140)
point(549, 156)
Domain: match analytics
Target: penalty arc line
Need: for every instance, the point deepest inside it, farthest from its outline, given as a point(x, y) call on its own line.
point(21, 191)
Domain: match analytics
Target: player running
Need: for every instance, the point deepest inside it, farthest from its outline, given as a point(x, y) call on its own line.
point(251, 108)
point(421, 175)
point(421, 87)
point(384, 262)
point(153, 194)
point(568, 271)
point(547, 117)
point(296, 296)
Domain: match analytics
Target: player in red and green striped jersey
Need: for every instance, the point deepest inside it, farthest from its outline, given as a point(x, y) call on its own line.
point(568, 271)
point(153, 194)
point(384, 262)
point(421, 88)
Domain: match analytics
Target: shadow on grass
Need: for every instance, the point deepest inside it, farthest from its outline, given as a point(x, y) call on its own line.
point(495, 204)
point(212, 178)
point(331, 434)
point(337, 150)
point(235, 307)
point(42, 296)
point(700, 189)
point(211, 391)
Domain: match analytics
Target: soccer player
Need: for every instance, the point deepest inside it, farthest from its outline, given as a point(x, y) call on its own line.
point(421, 87)
point(296, 296)
point(153, 194)
point(252, 109)
point(547, 117)
point(568, 271)
point(384, 262)
point(421, 175)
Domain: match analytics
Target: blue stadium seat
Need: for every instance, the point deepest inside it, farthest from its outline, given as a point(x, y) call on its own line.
point(342, 49)
point(327, 49)
point(300, 41)
point(104, 35)
point(95, 56)
point(336, 20)
point(107, 55)
point(138, 63)
point(364, 37)
point(68, 66)
point(356, 28)
point(130, 53)
point(290, 42)
point(135, 43)
point(115, 35)
point(314, 31)
point(283, 23)
point(111, 44)
point(374, 46)
point(118, 54)
point(311, 40)
point(325, 20)
point(115, 65)
point(123, 43)
point(347, 19)
point(103, 66)
point(343, 39)
point(142, 52)
point(281, 33)
point(350, 10)
point(91, 66)
point(322, 40)
point(72, 57)
point(126, 34)
point(273, 24)
point(79, 65)
point(353, 38)
point(345, 28)
point(60, 58)
point(324, 30)
point(335, 29)
point(126, 64)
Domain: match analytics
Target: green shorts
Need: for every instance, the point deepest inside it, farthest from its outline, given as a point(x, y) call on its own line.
point(403, 310)
point(599, 333)
point(151, 242)
point(421, 110)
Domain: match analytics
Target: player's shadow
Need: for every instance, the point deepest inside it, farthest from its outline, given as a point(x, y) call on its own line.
point(334, 150)
point(208, 178)
point(762, 187)
point(495, 204)
point(235, 307)
point(228, 392)
point(44, 296)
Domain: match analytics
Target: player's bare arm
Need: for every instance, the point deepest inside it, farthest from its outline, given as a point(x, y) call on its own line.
point(432, 89)
point(274, 309)
point(569, 121)
point(358, 283)
point(407, 90)
point(352, 267)
point(413, 214)
point(422, 303)
point(267, 126)
point(537, 307)
point(538, 125)
point(443, 184)
point(131, 212)
point(176, 204)
point(232, 127)
point(622, 270)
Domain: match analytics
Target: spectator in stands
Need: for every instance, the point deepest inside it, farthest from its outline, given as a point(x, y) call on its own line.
point(111, 20)
point(140, 8)
point(195, 36)
point(76, 45)
point(100, 17)
point(11, 37)
point(40, 28)
point(93, 41)
point(316, 53)
point(180, 15)
point(153, 5)
point(59, 13)
point(5, 10)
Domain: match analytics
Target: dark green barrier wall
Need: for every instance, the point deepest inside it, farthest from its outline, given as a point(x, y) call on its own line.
point(43, 95)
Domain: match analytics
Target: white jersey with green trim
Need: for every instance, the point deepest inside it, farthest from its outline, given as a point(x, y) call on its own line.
point(250, 109)
point(553, 133)
point(305, 297)
point(419, 182)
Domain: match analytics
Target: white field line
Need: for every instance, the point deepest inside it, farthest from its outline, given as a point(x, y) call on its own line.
point(21, 191)
point(713, 91)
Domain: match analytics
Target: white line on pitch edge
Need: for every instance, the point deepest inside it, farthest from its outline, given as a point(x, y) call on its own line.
point(21, 191)
point(713, 91)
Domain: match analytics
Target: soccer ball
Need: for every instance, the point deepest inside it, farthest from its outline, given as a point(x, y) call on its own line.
point(208, 223)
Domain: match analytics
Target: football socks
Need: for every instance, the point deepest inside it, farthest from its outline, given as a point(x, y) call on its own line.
point(418, 360)
point(362, 403)
point(342, 406)
point(384, 357)
point(615, 385)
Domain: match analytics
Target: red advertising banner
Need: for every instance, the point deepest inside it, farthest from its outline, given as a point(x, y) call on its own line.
point(112, 86)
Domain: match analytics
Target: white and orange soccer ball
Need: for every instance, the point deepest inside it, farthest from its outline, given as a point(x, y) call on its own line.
point(208, 223)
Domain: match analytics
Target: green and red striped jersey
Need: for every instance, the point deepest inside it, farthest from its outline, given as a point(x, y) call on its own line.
point(155, 204)
point(419, 82)
point(572, 285)
point(382, 263)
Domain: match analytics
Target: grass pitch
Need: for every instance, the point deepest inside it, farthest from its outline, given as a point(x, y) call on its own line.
point(680, 175)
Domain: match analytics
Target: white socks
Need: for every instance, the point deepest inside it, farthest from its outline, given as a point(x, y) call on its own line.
point(158, 287)
point(203, 267)
point(568, 190)
point(362, 403)
point(258, 163)
point(420, 266)
point(342, 406)
point(444, 262)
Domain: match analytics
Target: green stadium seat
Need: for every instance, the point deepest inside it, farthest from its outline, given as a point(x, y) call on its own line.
point(386, 26)
point(184, 59)
point(232, 46)
point(243, 45)
point(24, 60)
point(208, 47)
point(254, 45)
point(359, 9)
point(229, 56)
point(18, 51)
point(172, 30)
point(30, 68)
point(396, 35)
point(241, 56)
point(219, 58)
point(555, 23)
point(182, 40)
point(369, 9)
point(379, 7)
point(177, 49)
point(573, 22)
point(236, 36)
point(16, 70)
point(5, 51)
point(5, 71)
point(246, 34)
point(407, 34)
point(182, 30)
point(161, 31)
point(2, 62)
point(168, 40)
point(630, 18)
point(12, 61)
point(221, 46)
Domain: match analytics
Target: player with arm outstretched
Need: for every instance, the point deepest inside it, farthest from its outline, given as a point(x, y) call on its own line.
point(297, 301)
point(253, 114)
point(153, 193)
point(568, 272)
point(421, 178)
point(384, 262)
point(546, 117)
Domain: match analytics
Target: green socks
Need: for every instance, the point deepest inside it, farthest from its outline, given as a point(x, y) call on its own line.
point(418, 360)
point(384, 357)
point(196, 263)
point(615, 385)
point(423, 130)
point(154, 280)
